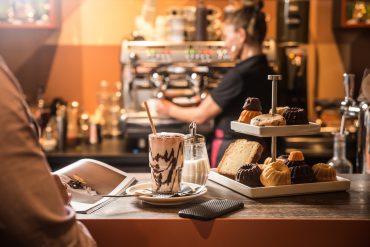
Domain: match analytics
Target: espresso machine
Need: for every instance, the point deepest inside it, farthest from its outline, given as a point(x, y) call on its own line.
point(181, 72)
point(360, 112)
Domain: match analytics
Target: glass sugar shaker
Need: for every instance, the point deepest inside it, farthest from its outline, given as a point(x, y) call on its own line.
point(196, 162)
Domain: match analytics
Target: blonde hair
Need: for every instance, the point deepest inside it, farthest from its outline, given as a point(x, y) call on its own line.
point(252, 20)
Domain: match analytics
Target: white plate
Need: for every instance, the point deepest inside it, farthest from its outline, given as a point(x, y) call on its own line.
point(163, 201)
point(283, 130)
point(341, 184)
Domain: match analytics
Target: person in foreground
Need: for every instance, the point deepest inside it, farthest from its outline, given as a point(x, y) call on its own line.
point(244, 33)
point(34, 207)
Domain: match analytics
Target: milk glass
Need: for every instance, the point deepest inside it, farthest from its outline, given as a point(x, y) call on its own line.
point(196, 163)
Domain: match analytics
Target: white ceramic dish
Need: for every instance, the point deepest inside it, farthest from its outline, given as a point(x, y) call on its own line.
point(163, 201)
point(284, 130)
point(341, 184)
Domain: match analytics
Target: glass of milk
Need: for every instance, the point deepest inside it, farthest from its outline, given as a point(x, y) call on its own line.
point(196, 164)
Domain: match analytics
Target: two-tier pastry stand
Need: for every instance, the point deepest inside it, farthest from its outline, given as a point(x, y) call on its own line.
point(273, 132)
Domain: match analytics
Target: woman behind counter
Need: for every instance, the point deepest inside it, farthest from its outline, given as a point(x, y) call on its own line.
point(243, 34)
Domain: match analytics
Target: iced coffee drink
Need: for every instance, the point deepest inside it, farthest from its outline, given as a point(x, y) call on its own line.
point(166, 161)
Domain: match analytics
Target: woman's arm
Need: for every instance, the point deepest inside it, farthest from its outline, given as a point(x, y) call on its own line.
point(206, 110)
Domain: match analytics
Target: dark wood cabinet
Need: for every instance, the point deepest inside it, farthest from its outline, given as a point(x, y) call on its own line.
point(28, 14)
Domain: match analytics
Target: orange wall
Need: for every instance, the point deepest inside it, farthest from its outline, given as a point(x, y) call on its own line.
point(89, 44)
point(85, 48)
point(323, 52)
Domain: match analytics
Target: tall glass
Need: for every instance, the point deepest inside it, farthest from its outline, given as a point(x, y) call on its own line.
point(166, 160)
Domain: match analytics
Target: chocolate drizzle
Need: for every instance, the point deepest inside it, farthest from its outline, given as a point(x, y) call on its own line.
point(172, 168)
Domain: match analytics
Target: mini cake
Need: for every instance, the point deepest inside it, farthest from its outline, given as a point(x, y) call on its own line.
point(252, 104)
point(268, 161)
point(302, 174)
point(295, 158)
point(295, 115)
point(252, 108)
point(284, 158)
point(262, 166)
point(268, 120)
point(324, 172)
point(275, 174)
point(249, 175)
point(295, 155)
point(246, 116)
point(280, 110)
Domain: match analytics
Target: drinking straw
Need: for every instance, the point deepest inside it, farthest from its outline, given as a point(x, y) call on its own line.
point(150, 118)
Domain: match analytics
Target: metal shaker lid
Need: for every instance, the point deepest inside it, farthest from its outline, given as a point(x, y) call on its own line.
point(193, 136)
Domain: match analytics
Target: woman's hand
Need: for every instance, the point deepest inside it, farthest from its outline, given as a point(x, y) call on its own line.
point(163, 107)
point(63, 190)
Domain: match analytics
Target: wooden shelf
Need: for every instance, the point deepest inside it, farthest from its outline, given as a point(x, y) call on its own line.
point(345, 8)
point(27, 26)
point(359, 25)
point(51, 24)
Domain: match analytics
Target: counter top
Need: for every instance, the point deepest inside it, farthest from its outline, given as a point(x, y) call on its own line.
point(353, 204)
point(344, 216)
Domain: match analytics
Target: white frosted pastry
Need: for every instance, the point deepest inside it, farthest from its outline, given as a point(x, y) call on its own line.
point(268, 120)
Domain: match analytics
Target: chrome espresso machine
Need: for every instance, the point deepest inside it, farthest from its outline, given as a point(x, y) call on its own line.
point(182, 72)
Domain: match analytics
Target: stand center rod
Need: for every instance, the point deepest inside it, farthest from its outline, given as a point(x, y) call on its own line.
point(274, 79)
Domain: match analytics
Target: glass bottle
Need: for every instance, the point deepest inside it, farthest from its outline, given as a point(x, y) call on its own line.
point(339, 160)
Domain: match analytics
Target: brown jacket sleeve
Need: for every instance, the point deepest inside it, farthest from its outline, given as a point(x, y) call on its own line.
point(32, 212)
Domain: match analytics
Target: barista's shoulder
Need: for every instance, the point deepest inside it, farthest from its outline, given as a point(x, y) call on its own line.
point(233, 74)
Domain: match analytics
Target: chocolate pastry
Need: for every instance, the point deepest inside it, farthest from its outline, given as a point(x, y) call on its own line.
point(292, 163)
point(302, 174)
point(252, 104)
point(249, 175)
point(295, 115)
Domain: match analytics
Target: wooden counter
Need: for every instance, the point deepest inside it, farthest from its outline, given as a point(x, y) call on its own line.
point(328, 219)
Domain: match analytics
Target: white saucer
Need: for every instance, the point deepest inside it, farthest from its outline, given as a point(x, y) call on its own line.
point(163, 201)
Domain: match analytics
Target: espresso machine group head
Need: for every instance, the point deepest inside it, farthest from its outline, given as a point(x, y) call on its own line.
point(181, 72)
point(172, 70)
